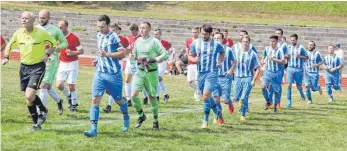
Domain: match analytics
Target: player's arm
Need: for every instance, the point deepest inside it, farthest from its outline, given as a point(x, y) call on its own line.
point(120, 51)
point(63, 42)
point(79, 48)
point(256, 66)
point(10, 46)
point(233, 62)
point(340, 65)
point(192, 53)
point(303, 54)
point(163, 53)
point(319, 60)
point(3, 44)
point(280, 60)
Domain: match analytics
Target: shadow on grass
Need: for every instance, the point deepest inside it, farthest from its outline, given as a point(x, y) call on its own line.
point(259, 130)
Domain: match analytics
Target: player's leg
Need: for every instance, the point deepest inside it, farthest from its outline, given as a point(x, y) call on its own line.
point(161, 71)
point(246, 90)
point(108, 108)
point(178, 67)
point(145, 96)
point(308, 85)
point(216, 94)
point(129, 72)
point(298, 81)
point(265, 83)
point(72, 79)
point(62, 77)
point(137, 86)
point(290, 81)
point(329, 84)
point(192, 80)
point(51, 90)
point(226, 91)
point(151, 84)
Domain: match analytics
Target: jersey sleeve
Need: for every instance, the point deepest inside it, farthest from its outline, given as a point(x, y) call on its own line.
point(78, 44)
point(47, 39)
point(167, 45)
point(281, 55)
point(255, 61)
point(319, 58)
point(303, 51)
point(163, 53)
point(187, 44)
point(264, 53)
point(219, 48)
point(192, 48)
point(62, 39)
point(2, 41)
point(285, 49)
point(12, 43)
point(124, 42)
point(338, 61)
point(254, 49)
point(115, 44)
point(231, 55)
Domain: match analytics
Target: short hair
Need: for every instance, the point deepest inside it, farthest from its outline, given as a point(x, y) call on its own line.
point(207, 28)
point(314, 43)
point(134, 27)
point(284, 37)
point(274, 37)
point(104, 18)
point(245, 36)
point(217, 30)
point(119, 28)
point(195, 28)
point(331, 44)
point(244, 31)
point(295, 36)
point(114, 25)
point(158, 30)
point(65, 22)
point(219, 34)
point(148, 24)
point(279, 29)
point(225, 30)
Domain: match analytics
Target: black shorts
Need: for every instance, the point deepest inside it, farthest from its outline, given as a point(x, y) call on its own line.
point(31, 75)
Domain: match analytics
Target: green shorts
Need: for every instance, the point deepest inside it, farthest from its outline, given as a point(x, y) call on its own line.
point(146, 80)
point(51, 70)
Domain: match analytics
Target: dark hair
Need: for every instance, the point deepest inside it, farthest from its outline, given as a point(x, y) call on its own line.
point(134, 27)
point(217, 30)
point(279, 29)
point(114, 25)
point(295, 36)
point(207, 28)
point(314, 43)
point(158, 29)
point(65, 22)
point(274, 37)
point(148, 24)
point(119, 28)
point(104, 18)
point(220, 34)
point(244, 31)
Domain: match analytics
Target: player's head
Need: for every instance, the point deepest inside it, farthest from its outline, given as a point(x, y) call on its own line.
point(279, 32)
point(294, 39)
point(114, 27)
point(331, 48)
point(145, 29)
point(273, 41)
point(225, 33)
point(28, 19)
point(157, 33)
point(242, 33)
point(337, 45)
point(195, 32)
point(134, 29)
point(245, 41)
point(206, 31)
point(311, 45)
point(218, 37)
point(119, 30)
point(44, 16)
point(283, 39)
point(104, 24)
point(63, 25)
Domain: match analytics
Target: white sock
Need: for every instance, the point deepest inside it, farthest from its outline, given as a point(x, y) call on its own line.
point(128, 90)
point(144, 92)
point(66, 92)
point(110, 100)
point(162, 87)
point(193, 84)
point(43, 96)
point(54, 95)
point(74, 98)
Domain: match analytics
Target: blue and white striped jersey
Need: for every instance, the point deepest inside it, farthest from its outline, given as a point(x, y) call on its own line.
point(283, 46)
point(109, 43)
point(293, 60)
point(229, 58)
point(332, 62)
point(314, 57)
point(207, 53)
point(270, 65)
point(246, 62)
point(250, 46)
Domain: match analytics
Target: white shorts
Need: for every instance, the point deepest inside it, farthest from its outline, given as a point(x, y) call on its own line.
point(130, 67)
point(68, 72)
point(161, 68)
point(192, 74)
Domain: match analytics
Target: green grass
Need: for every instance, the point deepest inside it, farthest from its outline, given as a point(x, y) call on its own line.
point(328, 14)
point(320, 126)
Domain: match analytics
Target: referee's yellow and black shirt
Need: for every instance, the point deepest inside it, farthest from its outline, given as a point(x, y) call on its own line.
point(31, 45)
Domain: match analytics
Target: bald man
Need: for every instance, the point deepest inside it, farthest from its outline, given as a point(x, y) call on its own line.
point(31, 42)
point(52, 63)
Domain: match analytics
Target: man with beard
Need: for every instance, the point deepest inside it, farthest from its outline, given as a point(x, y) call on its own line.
point(311, 75)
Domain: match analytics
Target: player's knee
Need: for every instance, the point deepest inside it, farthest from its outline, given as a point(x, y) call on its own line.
point(96, 101)
point(72, 87)
point(30, 97)
point(60, 86)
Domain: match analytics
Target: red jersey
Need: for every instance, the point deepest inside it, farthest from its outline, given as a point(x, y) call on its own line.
point(74, 45)
point(132, 39)
point(124, 41)
point(228, 42)
point(188, 43)
point(2, 41)
point(166, 44)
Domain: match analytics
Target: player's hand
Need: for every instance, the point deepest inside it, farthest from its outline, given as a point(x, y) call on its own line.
point(218, 64)
point(4, 61)
point(230, 72)
point(313, 66)
point(297, 55)
point(68, 52)
point(270, 57)
point(332, 69)
point(45, 58)
point(102, 52)
point(195, 59)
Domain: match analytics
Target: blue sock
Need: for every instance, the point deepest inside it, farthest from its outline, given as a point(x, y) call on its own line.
point(330, 91)
point(213, 106)
point(279, 101)
point(229, 101)
point(277, 98)
point(207, 108)
point(124, 109)
point(289, 96)
point(244, 107)
point(270, 92)
point(219, 108)
point(94, 116)
point(302, 93)
point(308, 94)
point(266, 95)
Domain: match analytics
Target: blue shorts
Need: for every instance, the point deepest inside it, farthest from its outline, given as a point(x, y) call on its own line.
point(224, 87)
point(112, 83)
point(333, 80)
point(207, 81)
point(311, 79)
point(295, 74)
point(243, 88)
point(275, 78)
